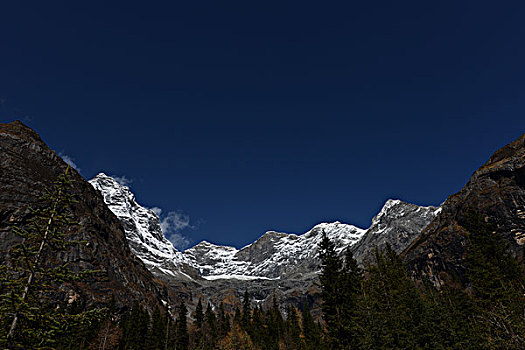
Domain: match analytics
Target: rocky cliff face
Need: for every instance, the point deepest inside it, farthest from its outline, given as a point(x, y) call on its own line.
point(497, 192)
point(398, 224)
point(27, 167)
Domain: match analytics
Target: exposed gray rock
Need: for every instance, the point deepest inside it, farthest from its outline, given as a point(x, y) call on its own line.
point(281, 264)
point(397, 224)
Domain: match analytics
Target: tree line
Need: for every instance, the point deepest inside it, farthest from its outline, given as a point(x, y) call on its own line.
point(379, 306)
point(246, 328)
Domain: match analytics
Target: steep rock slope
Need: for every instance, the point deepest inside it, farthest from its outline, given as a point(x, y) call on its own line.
point(143, 230)
point(398, 224)
point(497, 192)
point(27, 167)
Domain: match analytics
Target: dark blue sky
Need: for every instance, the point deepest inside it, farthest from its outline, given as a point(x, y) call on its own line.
point(249, 117)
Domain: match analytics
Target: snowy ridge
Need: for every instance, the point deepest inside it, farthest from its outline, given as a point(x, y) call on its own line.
point(271, 256)
point(274, 256)
point(280, 255)
point(397, 224)
point(141, 226)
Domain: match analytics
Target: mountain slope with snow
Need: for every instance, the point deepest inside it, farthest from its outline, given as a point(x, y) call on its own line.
point(273, 257)
point(397, 224)
point(142, 228)
point(282, 263)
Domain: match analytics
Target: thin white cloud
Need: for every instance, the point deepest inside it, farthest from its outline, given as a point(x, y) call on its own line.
point(69, 160)
point(172, 225)
point(179, 241)
point(156, 210)
point(122, 180)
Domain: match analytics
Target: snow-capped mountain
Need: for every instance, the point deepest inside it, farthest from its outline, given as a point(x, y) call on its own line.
point(142, 228)
point(274, 256)
point(282, 255)
point(398, 224)
point(277, 263)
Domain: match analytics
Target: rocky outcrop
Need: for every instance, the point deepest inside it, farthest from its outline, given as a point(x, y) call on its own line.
point(397, 224)
point(27, 167)
point(497, 192)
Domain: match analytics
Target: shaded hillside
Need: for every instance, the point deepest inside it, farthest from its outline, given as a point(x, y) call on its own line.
point(27, 167)
point(497, 192)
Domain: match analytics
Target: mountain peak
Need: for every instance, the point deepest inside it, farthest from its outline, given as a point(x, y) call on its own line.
point(141, 225)
point(110, 180)
point(389, 204)
point(22, 131)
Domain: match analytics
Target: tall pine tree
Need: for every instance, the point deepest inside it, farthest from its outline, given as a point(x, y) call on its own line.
point(311, 333)
point(341, 287)
point(246, 312)
point(182, 338)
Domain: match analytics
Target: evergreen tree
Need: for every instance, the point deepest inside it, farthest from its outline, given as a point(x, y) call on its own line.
point(198, 336)
point(491, 270)
point(224, 321)
point(293, 328)
point(211, 319)
point(351, 287)
point(210, 328)
point(157, 332)
point(446, 321)
point(311, 334)
point(246, 312)
point(171, 336)
point(199, 315)
point(182, 337)
point(135, 329)
point(330, 280)
point(32, 315)
point(341, 287)
point(237, 317)
point(258, 332)
point(275, 324)
point(391, 307)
